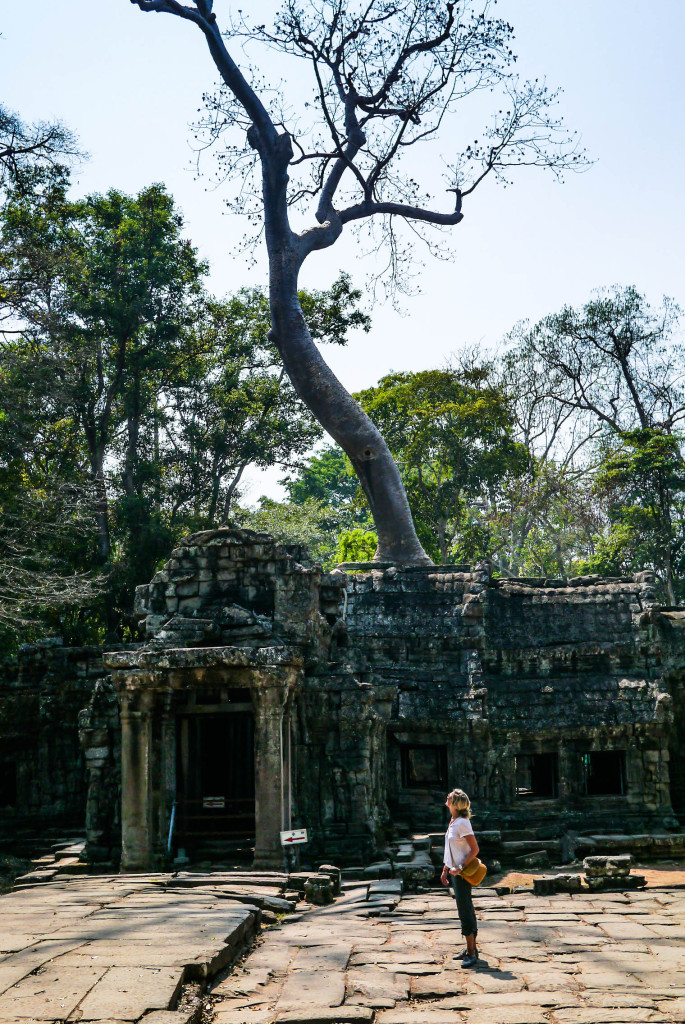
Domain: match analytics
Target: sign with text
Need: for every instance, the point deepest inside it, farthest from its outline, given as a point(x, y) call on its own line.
point(296, 835)
point(214, 802)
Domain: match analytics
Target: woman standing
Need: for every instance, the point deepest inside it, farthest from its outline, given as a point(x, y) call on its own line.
point(460, 849)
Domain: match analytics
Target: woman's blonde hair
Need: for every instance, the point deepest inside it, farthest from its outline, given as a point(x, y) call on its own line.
point(461, 801)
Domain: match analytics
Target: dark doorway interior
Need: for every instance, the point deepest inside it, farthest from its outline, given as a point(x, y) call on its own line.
point(216, 781)
point(605, 772)
point(8, 784)
point(537, 775)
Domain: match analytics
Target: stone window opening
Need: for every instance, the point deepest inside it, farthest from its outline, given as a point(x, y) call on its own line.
point(423, 766)
point(604, 772)
point(8, 784)
point(537, 776)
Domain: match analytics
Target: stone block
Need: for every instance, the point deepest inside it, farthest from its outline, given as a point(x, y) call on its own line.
point(318, 889)
point(334, 874)
point(382, 869)
point(540, 859)
point(613, 864)
point(187, 588)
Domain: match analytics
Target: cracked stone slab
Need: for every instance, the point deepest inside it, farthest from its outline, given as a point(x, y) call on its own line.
point(545, 981)
point(626, 930)
point(170, 1017)
point(250, 981)
point(617, 1015)
point(328, 1015)
point(310, 989)
point(242, 1017)
point(52, 994)
point(413, 968)
point(508, 1015)
point(495, 981)
point(126, 993)
point(380, 956)
point(418, 1016)
point(323, 958)
point(448, 983)
point(376, 988)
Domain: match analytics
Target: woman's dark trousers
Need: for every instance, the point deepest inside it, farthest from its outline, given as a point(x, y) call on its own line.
point(464, 898)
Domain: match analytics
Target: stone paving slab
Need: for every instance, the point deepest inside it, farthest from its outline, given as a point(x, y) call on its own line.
point(313, 988)
point(372, 987)
point(126, 993)
point(332, 1015)
point(52, 994)
point(322, 958)
point(112, 948)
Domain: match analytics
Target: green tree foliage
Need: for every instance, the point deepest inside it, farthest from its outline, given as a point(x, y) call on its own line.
point(451, 434)
point(103, 291)
point(610, 376)
point(327, 476)
point(544, 521)
point(242, 409)
point(134, 385)
point(356, 546)
point(25, 147)
point(617, 360)
point(306, 522)
point(642, 480)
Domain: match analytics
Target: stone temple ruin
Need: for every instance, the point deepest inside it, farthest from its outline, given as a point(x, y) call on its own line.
point(269, 695)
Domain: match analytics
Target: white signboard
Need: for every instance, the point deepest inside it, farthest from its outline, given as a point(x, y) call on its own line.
point(296, 835)
point(215, 802)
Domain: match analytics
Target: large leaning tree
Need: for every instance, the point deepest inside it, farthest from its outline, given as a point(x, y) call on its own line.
point(386, 75)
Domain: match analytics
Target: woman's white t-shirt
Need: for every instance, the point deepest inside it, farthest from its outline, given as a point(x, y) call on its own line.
point(456, 847)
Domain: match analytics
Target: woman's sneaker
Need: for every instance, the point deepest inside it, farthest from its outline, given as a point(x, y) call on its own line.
point(470, 960)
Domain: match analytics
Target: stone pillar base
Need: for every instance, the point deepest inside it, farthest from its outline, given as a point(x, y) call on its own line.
point(269, 862)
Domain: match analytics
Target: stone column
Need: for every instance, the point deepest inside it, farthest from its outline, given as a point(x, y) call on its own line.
point(136, 825)
point(271, 775)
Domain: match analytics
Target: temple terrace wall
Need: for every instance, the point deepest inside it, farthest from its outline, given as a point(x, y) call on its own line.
point(267, 695)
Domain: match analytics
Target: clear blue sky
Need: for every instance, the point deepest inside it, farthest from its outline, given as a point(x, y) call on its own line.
point(130, 83)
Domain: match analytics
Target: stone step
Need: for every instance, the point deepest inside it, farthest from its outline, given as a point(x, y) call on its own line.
point(386, 887)
point(641, 845)
point(520, 848)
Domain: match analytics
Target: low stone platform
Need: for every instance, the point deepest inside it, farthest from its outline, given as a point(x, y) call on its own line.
point(113, 949)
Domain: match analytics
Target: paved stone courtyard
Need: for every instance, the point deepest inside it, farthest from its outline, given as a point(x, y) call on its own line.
point(565, 959)
point(118, 949)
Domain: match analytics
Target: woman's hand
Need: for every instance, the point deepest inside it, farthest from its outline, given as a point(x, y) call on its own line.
point(443, 877)
point(455, 871)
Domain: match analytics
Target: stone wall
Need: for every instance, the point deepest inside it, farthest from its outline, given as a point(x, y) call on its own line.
point(478, 672)
point(557, 704)
point(100, 736)
point(42, 775)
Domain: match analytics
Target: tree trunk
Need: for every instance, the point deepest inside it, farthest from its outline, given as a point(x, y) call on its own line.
point(101, 510)
point(342, 418)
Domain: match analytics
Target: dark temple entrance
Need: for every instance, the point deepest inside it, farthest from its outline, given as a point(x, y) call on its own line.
point(216, 780)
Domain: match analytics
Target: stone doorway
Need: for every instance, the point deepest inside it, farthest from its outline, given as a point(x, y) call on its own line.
point(215, 762)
